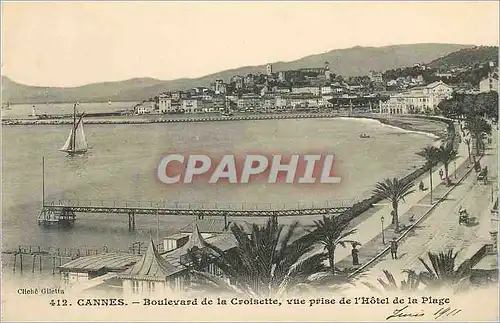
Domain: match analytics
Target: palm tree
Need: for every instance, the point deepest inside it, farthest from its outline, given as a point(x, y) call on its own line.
point(394, 190)
point(265, 262)
point(411, 283)
point(331, 232)
point(442, 273)
point(478, 128)
point(446, 155)
point(431, 155)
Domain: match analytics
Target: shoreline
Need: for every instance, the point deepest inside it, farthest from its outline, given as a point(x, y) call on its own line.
point(388, 120)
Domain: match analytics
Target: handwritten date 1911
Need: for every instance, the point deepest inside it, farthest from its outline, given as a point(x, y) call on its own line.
point(406, 312)
point(446, 311)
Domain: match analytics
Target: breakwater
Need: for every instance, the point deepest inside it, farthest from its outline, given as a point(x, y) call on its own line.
point(159, 119)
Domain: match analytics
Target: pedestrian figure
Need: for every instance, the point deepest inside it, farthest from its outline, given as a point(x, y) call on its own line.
point(394, 248)
point(421, 186)
point(441, 173)
point(355, 258)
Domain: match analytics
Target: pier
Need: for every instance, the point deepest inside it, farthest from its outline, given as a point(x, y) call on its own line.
point(63, 212)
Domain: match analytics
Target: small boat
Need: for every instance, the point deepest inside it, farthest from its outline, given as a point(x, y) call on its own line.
point(76, 143)
point(7, 107)
point(364, 135)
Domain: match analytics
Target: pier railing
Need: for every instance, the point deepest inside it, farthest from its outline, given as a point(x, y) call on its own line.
point(203, 205)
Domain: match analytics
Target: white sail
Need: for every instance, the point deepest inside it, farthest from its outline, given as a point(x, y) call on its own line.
point(80, 142)
point(69, 143)
point(76, 141)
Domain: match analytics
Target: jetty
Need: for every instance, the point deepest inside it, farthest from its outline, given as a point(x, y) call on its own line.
point(192, 118)
point(63, 212)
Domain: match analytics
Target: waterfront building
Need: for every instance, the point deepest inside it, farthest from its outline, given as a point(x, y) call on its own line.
point(152, 275)
point(408, 103)
point(83, 269)
point(438, 90)
point(192, 105)
point(249, 102)
point(314, 90)
point(145, 108)
point(489, 84)
point(165, 103)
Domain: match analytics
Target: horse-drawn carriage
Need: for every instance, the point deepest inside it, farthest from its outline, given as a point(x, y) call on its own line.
point(463, 217)
point(482, 176)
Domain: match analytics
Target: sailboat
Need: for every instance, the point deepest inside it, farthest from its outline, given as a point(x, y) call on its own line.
point(76, 143)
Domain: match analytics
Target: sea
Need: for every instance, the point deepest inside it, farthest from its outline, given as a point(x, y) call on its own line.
point(122, 164)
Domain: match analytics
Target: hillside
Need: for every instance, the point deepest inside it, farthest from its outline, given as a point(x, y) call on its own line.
point(348, 62)
point(467, 57)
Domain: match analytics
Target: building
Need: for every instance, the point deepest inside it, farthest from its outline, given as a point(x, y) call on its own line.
point(281, 76)
point(237, 81)
point(145, 108)
point(314, 90)
point(83, 269)
point(408, 103)
point(165, 104)
point(327, 71)
point(220, 87)
point(489, 84)
point(152, 275)
point(192, 105)
point(376, 77)
point(249, 102)
point(269, 69)
point(438, 90)
point(249, 80)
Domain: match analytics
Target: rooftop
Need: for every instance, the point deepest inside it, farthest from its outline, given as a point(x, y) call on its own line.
point(151, 267)
point(105, 261)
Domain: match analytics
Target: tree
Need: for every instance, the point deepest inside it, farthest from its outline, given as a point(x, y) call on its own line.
point(478, 128)
point(446, 155)
point(331, 232)
point(442, 273)
point(431, 155)
point(411, 283)
point(394, 190)
point(265, 262)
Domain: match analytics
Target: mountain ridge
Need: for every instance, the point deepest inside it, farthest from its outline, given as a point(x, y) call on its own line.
point(353, 61)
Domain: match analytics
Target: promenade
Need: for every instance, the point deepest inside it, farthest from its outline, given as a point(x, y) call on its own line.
point(441, 231)
point(369, 232)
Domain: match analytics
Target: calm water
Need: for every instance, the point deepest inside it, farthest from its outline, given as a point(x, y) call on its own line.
point(122, 162)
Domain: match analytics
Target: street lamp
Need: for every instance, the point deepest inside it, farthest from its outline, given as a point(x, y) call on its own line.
point(382, 221)
point(455, 165)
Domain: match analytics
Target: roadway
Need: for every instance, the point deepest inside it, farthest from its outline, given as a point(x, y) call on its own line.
point(441, 231)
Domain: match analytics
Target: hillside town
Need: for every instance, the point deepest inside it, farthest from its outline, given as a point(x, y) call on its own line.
point(417, 89)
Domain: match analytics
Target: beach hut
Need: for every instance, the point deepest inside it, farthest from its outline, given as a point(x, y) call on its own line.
point(152, 274)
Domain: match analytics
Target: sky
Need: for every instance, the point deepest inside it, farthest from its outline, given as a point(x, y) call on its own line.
point(76, 43)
